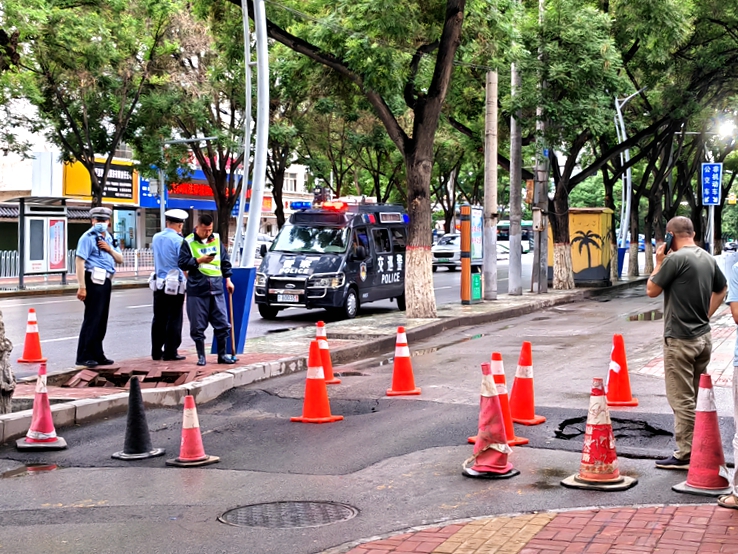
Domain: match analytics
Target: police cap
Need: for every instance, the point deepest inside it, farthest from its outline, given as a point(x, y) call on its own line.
point(177, 216)
point(101, 213)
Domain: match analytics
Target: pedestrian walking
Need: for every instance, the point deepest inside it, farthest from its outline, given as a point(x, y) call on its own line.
point(694, 288)
point(206, 261)
point(731, 500)
point(168, 284)
point(96, 256)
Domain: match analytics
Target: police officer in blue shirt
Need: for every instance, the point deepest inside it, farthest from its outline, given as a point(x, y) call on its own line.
point(169, 288)
point(97, 254)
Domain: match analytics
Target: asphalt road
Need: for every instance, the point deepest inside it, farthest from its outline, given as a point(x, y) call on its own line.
point(396, 460)
point(128, 335)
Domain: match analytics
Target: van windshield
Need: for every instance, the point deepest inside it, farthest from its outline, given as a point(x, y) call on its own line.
point(316, 240)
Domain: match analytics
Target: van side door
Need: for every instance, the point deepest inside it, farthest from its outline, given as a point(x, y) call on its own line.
point(361, 270)
point(399, 245)
point(388, 279)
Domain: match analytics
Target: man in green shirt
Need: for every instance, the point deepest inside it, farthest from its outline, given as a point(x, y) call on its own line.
point(694, 288)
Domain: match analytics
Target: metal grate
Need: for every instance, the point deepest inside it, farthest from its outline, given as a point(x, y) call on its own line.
point(289, 515)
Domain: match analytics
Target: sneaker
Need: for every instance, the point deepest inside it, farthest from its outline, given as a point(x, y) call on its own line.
point(672, 463)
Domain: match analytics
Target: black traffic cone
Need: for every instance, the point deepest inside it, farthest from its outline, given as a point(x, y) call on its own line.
point(137, 445)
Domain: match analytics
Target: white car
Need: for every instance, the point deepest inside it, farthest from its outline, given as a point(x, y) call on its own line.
point(447, 252)
point(261, 238)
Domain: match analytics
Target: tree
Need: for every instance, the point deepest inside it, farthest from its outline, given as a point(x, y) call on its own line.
point(382, 49)
point(88, 67)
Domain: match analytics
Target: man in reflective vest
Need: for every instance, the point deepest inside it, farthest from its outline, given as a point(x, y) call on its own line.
point(206, 262)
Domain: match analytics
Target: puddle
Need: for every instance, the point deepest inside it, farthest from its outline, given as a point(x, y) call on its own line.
point(29, 469)
point(271, 331)
point(622, 429)
point(541, 318)
point(350, 374)
point(652, 315)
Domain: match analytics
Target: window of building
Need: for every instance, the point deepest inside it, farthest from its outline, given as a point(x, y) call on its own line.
point(290, 182)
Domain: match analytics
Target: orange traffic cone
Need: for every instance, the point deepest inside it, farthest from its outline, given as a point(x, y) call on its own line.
point(325, 355)
point(522, 398)
point(41, 435)
point(618, 381)
point(316, 408)
point(403, 381)
point(599, 468)
point(191, 451)
point(707, 472)
point(32, 345)
point(490, 449)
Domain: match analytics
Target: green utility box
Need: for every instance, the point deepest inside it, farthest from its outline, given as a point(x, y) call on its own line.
point(476, 287)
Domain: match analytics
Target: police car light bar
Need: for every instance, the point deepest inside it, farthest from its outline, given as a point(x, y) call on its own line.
point(335, 206)
point(301, 205)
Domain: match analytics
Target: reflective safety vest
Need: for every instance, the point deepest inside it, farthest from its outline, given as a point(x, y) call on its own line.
point(199, 249)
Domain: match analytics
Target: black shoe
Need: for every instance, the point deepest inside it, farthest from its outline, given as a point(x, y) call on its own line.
point(105, 361)
point(156, 357)
point(175, 358)
point(88, 363)
point(201, 360)
point(672, 463)
point(200, 347)
point(227, 359)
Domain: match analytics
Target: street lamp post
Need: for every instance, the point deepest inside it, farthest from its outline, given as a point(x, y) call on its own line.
point(162, 184)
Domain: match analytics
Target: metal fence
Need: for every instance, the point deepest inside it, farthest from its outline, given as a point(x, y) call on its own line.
point(139, 261)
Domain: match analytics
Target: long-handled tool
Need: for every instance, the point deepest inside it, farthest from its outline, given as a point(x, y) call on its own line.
point(233, 323)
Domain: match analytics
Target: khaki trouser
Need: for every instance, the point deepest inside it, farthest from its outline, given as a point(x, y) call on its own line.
point(684, 361)
point(735, 418)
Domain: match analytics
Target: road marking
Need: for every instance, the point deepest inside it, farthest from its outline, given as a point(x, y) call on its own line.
point(442, 288)
point(38, 303)
point(61, 339)
point(139, 306)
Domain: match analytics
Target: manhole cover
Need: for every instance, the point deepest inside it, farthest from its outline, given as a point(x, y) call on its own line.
point(622, 429)
point(289, 515)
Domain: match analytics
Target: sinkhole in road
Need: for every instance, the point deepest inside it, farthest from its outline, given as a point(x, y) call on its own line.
point(623, 429)
point(28, 469)
point(649, 315)
point(289, 515)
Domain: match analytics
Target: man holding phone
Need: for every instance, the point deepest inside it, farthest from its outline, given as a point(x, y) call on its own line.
point(206, 262)
point(694, 288)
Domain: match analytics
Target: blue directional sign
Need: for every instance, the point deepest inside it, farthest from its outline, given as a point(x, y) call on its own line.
point(712, 178)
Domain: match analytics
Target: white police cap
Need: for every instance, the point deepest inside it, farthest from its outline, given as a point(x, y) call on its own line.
point(180, 216)
point(100, 213)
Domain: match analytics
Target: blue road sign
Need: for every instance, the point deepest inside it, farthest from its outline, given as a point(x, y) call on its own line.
point(712, 178)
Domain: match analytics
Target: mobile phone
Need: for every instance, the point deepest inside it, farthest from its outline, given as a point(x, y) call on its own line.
point(667, 241)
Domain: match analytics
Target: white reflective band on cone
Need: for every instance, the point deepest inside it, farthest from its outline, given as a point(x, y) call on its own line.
point(598, 413)
point(190, 421)
point(706, 401)
point(40, 436)
point(501, 388)
point(402, 352)
point(41, 384)
point(323, 344)
point(500, 447)
point(497, 367)
point(614, 366)
point(32, 328)
point(488, 386)
point(524, 372)
point(315, 372)
point(401, 338)
point(320, 333)
point(32, 318)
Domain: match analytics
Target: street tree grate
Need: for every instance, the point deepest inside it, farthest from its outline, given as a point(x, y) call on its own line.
point(289, 515)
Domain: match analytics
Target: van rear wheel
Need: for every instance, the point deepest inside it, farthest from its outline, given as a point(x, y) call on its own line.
point(401, 303)
point(267, 312)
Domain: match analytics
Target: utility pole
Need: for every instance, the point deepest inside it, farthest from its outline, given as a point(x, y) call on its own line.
point(489, 265)
point(539, 276)
point(515, 283)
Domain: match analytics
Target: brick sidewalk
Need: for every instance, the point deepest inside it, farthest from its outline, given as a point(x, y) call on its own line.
point(693, 529)
point(720, 367)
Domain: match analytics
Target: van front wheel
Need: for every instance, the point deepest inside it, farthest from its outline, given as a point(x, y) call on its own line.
point(267, 312)
point(350, 305)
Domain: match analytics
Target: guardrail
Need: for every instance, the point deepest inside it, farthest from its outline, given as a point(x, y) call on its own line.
point(138, 261)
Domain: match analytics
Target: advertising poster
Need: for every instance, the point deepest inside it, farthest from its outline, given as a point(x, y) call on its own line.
point(477, 231)
point(57, 245)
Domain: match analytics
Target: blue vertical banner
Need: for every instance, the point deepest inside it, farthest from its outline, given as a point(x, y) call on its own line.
point(712, 178)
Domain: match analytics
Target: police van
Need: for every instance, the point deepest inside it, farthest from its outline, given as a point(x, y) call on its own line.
point(336, 256)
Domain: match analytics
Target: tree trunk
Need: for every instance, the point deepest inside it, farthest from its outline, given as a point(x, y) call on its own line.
point(633, 270)
point(648, 268)
point(277, 186)
point(420, 297)
point(7, 378)
point(563, 271)
point(610, 203)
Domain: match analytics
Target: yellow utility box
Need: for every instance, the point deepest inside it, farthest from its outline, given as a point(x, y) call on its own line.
point(590, 234)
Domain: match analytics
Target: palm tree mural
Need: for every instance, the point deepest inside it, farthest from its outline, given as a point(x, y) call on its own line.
point(587, 240)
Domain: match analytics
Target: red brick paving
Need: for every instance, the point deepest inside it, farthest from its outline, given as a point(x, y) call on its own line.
point(693, 529)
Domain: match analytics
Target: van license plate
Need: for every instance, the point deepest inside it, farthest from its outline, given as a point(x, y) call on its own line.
point(443, 260)
point(288, 298)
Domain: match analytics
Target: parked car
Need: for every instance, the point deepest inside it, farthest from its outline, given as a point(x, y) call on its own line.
point(731, 246)
point(447, 252)
point(260, 239)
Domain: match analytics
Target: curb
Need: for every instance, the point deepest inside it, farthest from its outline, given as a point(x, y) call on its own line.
point(64, 290)
point(16, 424)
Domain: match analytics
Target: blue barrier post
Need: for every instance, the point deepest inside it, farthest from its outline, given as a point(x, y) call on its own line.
point(621, 260)
point(243, 279)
